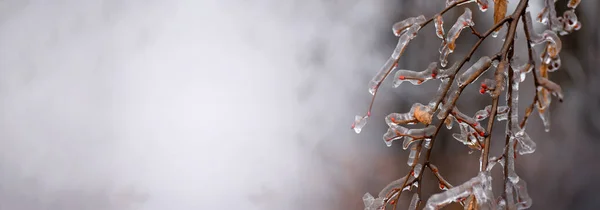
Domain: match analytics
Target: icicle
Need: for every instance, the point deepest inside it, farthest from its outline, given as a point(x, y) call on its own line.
point(449, 121)
point(400, 27)
point(359, 123)
point(417, 78)
point(396, 184)
point(573, 4)
point(523, 199)
point(525, 144)
point(508, 191)
point(380, 76)
point(460, 117)
point(417, 170)
point(414, 202)
point(427, 143)
point(412, 155)
point(465, 20)
point(471, 74)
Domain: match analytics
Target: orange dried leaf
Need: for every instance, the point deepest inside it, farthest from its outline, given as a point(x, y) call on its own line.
point(500, 7)
point(423, 115)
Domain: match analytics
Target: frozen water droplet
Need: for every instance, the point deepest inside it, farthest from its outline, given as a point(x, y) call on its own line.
point(359, 123)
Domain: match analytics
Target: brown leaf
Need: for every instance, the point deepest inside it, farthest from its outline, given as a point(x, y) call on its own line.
point(500, 7)
point(471, 203)
point(423, 114)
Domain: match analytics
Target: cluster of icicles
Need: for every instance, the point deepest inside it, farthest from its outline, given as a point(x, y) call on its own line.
point(472, 133)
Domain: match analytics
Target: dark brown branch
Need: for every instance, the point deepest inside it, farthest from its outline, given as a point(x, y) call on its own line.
point(509, 40)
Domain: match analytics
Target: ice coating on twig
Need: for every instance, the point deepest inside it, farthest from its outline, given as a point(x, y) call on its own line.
point(381, 74)
point(394, 185)
point(443, 86)
point(396, 132)
point(481, 184)
point(417, 78)
point(406, 36)
point(524, 143)
point(400, 27)
point(359, 123)
point(465, 20)
point(554, 44)
point(417, 170)
point(554, 88)
point(471, 74)
point(521, 69)
point(414, 201)
point(473, 123)
point(529, 24)
point(372, 203)
point(439, 26)
point(482, 4)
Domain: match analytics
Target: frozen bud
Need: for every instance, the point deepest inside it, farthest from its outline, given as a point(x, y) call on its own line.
point(359, 123)
point(483, 5)
point(573, 4)
point(475, 71)
point(400, 27)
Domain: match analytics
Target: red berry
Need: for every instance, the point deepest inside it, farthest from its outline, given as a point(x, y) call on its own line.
point(401, 78)
point(433, 75)
point(482, 91)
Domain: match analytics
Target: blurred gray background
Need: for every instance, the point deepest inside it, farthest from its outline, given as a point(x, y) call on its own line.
point(233, 104)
